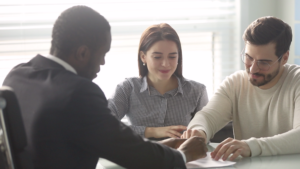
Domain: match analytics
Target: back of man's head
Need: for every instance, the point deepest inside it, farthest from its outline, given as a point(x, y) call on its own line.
point(269, 29)
point(76, 26)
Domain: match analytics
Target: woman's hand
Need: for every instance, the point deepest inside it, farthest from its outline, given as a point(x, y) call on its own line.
point(160, 132)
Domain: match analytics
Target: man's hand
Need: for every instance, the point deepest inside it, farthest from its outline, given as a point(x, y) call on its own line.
point(160, 132)
point(194, 148)
point(231, 146)
point(172, 142)
point(190, 133)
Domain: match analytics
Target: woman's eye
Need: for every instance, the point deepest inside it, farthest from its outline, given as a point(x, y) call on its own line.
point(157, 57)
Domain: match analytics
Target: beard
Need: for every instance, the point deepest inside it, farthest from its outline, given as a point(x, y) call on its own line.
point(266, 77)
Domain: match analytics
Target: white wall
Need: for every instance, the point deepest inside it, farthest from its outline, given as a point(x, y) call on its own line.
point(286, 12)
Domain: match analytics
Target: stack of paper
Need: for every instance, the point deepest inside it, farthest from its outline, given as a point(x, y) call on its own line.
point(208, 162)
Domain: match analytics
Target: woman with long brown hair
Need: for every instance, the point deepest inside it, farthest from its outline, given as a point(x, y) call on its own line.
point(161, 102)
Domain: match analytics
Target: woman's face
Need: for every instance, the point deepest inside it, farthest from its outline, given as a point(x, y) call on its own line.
point(161, 60)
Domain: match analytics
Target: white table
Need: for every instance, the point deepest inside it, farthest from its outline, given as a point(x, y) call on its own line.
point(291, 161)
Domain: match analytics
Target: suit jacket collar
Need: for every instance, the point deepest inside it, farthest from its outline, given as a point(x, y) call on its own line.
point(40, 62)
point(66, 65)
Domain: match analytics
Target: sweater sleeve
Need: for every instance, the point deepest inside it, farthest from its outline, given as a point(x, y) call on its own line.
point(216, 114)
point(285, 143)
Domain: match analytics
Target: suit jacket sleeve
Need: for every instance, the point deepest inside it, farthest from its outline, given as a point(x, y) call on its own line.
point(99, 132)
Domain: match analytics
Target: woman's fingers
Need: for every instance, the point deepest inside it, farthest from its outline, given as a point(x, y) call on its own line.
point(178, 128)
point(176, 133)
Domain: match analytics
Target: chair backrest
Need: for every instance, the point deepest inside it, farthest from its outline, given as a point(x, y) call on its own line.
point(12, 131)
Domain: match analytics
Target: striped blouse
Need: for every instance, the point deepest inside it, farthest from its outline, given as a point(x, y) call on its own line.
point(146, 107)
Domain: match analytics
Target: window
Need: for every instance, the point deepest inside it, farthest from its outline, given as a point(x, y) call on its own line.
point(205, 27)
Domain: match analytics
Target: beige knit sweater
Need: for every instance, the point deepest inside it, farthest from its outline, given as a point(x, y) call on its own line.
point(268, 120)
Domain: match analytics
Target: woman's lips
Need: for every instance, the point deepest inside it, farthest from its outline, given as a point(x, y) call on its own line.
point(164, 71)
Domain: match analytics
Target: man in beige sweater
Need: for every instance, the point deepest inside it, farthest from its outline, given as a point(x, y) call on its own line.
point(263, 101)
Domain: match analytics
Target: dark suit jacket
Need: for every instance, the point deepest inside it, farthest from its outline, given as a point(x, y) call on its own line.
point(68, 124)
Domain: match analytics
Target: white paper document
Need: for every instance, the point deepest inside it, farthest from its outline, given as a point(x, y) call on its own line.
point(208, 162)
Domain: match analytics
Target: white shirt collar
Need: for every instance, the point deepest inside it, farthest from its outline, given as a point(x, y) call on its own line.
point(62, 63)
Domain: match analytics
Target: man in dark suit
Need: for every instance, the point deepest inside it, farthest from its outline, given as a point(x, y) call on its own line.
point(66, 118)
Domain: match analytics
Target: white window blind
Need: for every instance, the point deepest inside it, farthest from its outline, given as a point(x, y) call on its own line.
point(206, 29)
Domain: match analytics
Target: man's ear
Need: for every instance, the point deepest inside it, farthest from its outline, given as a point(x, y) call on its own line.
point(82, 54)
point(285, 57)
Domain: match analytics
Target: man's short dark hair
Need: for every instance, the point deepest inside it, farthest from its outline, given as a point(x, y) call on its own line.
point(269, 29)
point(76, 26)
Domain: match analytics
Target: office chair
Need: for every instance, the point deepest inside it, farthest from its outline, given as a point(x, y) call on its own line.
point(223, 134)
point(12, 133)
